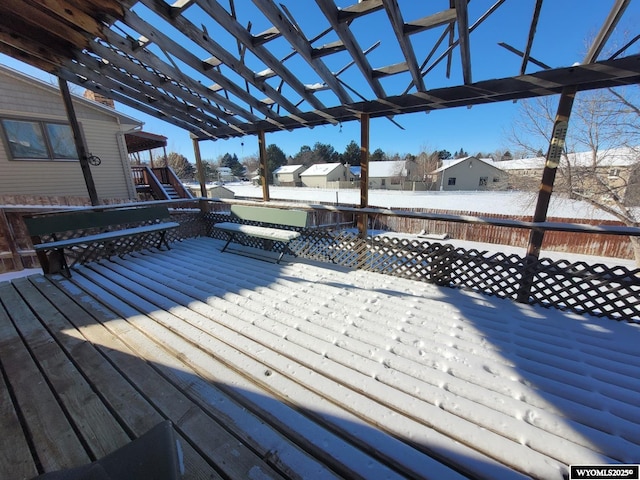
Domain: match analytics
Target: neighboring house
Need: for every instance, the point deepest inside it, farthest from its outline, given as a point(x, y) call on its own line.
point(324, 175)
point(219, 191)
point(288, 175)
point(37, 153)
point(469, 173)
point(390, 175)
point(225, 174)
point(617, 167)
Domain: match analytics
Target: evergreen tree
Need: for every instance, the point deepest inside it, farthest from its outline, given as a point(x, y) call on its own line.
point(326, 153)
point(232, 162)
point(275, 158)
point(377, 155)
point(179, 164)
point(351, 154)
point(305, 157)
point(444, 154)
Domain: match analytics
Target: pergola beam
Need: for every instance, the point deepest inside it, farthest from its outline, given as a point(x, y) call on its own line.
point(349, 41)
point(532, 34)
point(397, 22)
point(218, 13)
point(463, 37)
point(302, 46)
point(214, 49)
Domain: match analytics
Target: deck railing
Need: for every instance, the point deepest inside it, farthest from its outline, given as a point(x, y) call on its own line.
point(596, 289)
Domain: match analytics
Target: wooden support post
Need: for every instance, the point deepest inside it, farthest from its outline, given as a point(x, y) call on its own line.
point(364, 174)
point(554, 153)
point(264, 167)
point(200, 168)
point(79, 141)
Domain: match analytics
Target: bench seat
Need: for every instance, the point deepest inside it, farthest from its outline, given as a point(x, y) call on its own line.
point(268, 233)
point(264, 215)
point(97, 232)
point(106, 236)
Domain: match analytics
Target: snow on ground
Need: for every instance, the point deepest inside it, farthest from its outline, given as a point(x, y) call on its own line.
point(505, 203)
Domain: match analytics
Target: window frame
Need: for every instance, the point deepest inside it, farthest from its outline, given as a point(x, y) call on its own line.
point(44, 132)
point(483, 181)
point(451, 181)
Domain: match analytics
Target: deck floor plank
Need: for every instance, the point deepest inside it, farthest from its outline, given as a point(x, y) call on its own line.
point(214, 441)
point(205, 360)
point(95, 423)
point(307, 371)
point(55, 441)
point(128, 405)
point(15, 455)
point(322, 374)
point(252, 339)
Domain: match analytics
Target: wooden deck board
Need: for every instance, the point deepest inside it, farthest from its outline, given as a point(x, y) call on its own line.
point(15, 455)
point(302, 371)
point(123, 398)
point(55, 442)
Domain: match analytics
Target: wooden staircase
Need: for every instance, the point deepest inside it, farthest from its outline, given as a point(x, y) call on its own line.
point(161, 183)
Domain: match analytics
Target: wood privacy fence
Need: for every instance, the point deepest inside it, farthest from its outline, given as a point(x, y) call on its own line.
point(569, 242)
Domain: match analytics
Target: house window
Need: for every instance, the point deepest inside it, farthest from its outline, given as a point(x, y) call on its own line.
point(483, 181)
point(383, 182)
point(614, 172)
point(496, 179)
point(38, 140)
point(451, 181)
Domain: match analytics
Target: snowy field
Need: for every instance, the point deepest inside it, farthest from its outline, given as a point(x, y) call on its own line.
point(505, 203)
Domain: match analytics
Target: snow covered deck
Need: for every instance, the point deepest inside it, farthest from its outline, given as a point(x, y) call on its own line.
point(302, 370)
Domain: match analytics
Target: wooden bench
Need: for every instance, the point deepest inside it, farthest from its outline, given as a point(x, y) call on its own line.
point(112, 230)
point(264, 215)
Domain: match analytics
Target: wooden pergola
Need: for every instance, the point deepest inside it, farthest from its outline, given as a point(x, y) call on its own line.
point(199, 65)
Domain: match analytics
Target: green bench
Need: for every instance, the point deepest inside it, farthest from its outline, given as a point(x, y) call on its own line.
point(264, 216)
point(108, 232)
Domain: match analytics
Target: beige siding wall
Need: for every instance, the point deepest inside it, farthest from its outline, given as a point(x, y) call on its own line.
point(29, 101)
point(468, 178)
point(319, 181)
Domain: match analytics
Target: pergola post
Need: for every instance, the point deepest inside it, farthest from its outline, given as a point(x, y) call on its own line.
point(79, 142)
point(554, 153)
point(200, 168)
point(264, 168)
point(364, 173)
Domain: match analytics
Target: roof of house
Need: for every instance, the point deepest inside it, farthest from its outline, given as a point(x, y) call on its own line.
point(614, 157)
point(446, 164)
point(387, 168)
point(320, 169)
point(288, 169)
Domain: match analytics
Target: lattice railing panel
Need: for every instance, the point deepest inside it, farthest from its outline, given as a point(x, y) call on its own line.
point(594, 289)
point(191, 225)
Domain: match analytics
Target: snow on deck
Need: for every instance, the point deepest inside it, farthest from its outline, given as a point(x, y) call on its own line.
point(384, 377)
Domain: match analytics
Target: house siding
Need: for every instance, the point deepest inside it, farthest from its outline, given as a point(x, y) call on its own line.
point(103, 134)
point(468, 177)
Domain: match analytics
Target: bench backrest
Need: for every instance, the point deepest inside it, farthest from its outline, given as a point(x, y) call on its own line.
point(82, 219)
point(278, 216)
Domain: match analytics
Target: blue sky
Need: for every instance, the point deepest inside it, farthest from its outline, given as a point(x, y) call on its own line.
point(562, 34)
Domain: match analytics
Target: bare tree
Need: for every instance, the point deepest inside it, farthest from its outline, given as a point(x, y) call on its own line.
point(601, 161)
